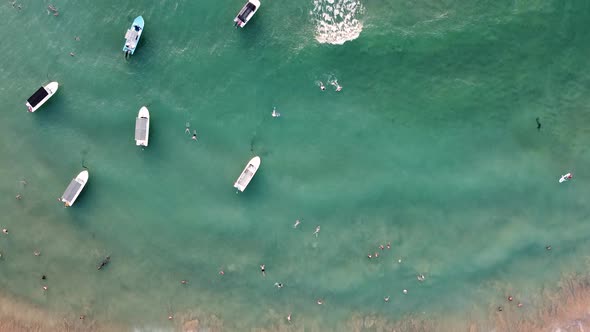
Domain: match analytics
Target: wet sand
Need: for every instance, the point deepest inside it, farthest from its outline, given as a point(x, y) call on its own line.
point(564, 308)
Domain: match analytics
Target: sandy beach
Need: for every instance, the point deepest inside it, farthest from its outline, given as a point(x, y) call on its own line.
point(566, 307)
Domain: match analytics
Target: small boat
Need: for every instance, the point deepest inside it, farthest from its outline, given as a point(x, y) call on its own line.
point(565, 177)
point(132, 36)
point(74, 188)
point(247, 174)
point(142, 127)
point(246, 13)
point(41, 96)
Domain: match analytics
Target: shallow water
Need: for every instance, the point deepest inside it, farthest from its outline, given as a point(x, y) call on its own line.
point(432, 144)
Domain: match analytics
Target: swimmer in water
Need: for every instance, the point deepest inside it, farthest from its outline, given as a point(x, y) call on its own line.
point(297, 222)
point(388, 245)
point(278, 285)
point(322, 87)
point(104, 262)
point(317, 231)
point(187, 130)
point(37, 253)
point(289, 317)
point(263, 269)
point(386, 299)
point(538, 124)
point(336, 85)
point(420, 277)
point(184, 282)
point(4, 230)
point(274, 113)
point(194, 138)
point(320, 301)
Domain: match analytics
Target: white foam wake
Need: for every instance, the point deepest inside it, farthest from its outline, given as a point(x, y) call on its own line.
point(337, 21)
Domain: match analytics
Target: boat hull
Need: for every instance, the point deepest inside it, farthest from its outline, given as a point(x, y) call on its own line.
point(142, 127)
point(247, 174)
point(75, 188)
point(50, 89)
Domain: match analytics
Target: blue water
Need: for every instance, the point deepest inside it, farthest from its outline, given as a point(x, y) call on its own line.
point(431, 145)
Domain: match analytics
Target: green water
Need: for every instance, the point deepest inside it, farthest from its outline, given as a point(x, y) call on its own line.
point(432, 144)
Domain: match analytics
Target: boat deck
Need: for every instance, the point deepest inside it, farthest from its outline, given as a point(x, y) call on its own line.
point(141, 128)
point(132, 37)
point(248, 8)
point(71, 191)
point(247, 176)
point(37, 97)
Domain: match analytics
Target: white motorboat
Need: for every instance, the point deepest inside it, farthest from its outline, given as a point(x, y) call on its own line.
point(142, 127)
point(247, 174)
point(565, 177)
point(74, 188)
point(41, 96)
point(246, 13)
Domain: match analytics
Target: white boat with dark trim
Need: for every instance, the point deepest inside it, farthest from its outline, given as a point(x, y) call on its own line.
point(74, 188)
point(246, 13)
point(142, 127)
point(247, 174)
point(41, 96)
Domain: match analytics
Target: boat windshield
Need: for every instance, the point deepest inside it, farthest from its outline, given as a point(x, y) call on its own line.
point(37, 96)
point(245, 12)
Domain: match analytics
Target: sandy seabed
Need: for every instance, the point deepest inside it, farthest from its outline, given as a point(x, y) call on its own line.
point(564, 308)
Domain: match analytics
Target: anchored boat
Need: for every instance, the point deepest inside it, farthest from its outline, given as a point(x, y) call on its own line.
point(41, 96)
point(565, 177)
point(246, 13)
point(247, 174)
point(132, 36)
point(74, 188)
point(142, 127)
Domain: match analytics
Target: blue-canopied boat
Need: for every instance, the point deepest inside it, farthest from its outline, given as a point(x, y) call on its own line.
point(132, 36)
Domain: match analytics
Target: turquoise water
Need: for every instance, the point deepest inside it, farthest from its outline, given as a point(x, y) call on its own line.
point(432, 144)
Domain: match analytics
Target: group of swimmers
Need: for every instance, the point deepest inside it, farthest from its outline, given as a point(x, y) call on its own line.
point(334, 83)
point(188, 130)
